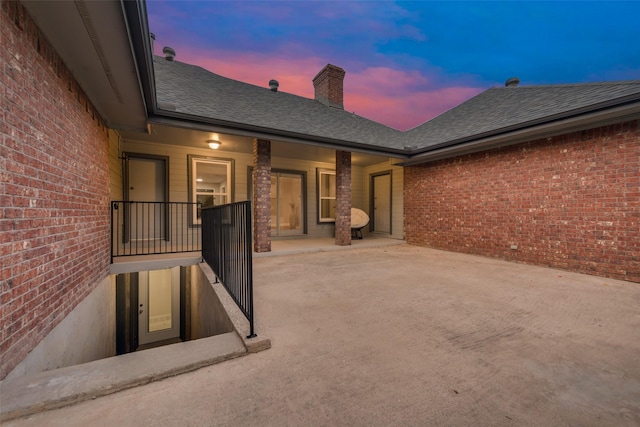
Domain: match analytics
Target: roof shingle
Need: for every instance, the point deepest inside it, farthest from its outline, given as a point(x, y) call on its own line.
point(500, 109)
point(198, 93)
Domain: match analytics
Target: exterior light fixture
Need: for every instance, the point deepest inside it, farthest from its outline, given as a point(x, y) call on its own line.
point(213, 144)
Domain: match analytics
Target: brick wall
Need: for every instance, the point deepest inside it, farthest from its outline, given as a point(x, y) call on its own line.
point(54, 192)
point(571, 202)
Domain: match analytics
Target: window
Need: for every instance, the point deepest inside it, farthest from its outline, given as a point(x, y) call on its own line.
point(210, 183)
point(326, 195)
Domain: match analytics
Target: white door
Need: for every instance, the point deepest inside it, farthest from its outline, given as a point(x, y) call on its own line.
point(382, 203)
point(147, 180)
point(159, 305)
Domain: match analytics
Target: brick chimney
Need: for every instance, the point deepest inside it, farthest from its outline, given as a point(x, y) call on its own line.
point(328, 84)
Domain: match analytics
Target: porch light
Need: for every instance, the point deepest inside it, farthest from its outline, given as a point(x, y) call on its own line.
point(213, 144)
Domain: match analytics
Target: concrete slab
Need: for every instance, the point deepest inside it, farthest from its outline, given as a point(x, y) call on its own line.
point(403, 335)
point(303, 246)
point(130, 264)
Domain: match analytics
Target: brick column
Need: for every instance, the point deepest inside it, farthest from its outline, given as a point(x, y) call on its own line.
point(343, 198)
point(262, 195)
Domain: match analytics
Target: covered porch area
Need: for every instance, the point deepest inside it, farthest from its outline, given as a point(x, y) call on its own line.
point(295, 197)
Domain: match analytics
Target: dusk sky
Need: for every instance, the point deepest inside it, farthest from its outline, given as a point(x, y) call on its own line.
point(405, 62)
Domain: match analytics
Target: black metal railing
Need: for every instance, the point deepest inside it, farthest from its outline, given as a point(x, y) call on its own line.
point(226, 247)
point(150, 228)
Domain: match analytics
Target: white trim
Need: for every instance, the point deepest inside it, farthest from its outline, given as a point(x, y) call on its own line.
point(322, 198)
point(209, 192)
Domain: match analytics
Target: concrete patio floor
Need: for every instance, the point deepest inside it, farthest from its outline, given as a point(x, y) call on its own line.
point(326, 244)
point(402, 335)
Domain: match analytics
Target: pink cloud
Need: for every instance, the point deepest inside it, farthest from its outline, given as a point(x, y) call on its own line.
point(411, 110)
point(294, 75)
point(401, 99)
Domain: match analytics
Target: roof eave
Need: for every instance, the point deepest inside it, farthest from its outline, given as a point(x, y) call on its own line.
point(135, 13)
point(92, 39)
point(507, 137)
point(172, 118)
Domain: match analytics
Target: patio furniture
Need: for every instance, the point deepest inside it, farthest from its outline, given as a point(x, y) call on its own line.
point(359, 219)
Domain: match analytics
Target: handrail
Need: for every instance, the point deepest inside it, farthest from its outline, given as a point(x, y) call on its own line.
point(150, 228)
point(226, 247)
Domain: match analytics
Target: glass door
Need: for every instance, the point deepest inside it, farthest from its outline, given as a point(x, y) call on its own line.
point(287, 207)
point(159, 305)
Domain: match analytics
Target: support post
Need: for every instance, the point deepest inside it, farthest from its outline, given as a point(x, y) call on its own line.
point(343, 198)
point(262, 195)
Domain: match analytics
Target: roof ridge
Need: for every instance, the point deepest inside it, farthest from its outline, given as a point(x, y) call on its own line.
point(225, 77)
point(559, 85)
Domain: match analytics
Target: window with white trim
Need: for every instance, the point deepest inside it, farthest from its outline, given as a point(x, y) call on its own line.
point(326, 195)
point(210, 183)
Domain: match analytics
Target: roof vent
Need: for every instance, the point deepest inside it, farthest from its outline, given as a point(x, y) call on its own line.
point(152, 38)
point(512, 82)
point(273, 85)
point(169, 53)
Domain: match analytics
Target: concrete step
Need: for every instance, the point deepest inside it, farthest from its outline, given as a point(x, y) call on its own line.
point(30, 394)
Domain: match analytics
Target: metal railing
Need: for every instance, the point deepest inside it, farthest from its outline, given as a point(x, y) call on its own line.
point(226, 247)
point(150, 228)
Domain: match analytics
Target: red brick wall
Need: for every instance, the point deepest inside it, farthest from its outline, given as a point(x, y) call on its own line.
point(571, 202)
point(54, 192)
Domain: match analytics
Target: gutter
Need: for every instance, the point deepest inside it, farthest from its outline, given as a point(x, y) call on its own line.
point(174, 119)
point(135, 13)
point(545, 128)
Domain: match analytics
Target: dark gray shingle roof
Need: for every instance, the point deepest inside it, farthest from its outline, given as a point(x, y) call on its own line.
point(501, 109)
point(197, 92)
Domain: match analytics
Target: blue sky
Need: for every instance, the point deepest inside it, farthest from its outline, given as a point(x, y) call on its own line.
point(406, 62)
